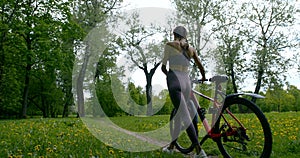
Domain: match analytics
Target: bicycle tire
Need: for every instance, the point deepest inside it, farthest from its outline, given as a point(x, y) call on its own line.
point(246, 144)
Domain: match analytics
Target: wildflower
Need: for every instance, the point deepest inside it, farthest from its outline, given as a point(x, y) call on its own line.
point(111, 151)
point(29, 154)
point(37, 147)
point(293, 137)
point(49, 150)
point(54, 147)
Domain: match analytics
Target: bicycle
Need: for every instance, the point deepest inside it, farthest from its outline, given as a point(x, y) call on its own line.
point(238, 126)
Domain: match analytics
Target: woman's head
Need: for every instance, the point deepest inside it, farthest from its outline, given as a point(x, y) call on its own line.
point(180, 32)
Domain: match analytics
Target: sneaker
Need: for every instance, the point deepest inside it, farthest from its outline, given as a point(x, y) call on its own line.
point(202, 154)
point(167, 150)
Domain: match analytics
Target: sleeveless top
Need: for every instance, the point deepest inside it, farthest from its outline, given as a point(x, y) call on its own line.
point(177, 58)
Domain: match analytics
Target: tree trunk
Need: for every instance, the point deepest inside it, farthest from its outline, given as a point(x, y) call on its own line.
point(80, 79)
point(67, 103)
point(149, 76)
point(25, 92)
point(149, 98)
point(233, 79)
point(80, 95)
point(258, 83)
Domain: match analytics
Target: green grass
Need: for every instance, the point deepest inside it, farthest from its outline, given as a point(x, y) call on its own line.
point(70, 137)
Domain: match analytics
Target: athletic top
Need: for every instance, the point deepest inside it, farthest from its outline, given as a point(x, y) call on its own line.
point(174, 54)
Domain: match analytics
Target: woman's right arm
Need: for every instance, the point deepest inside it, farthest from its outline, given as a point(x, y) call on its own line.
point(198, 63)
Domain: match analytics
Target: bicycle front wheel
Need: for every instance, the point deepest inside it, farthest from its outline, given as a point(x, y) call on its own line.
point(245, 130)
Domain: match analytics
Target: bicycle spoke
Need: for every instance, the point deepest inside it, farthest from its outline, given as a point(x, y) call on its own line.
point(245, 131)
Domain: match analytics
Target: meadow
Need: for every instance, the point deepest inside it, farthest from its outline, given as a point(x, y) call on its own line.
point(70, 138)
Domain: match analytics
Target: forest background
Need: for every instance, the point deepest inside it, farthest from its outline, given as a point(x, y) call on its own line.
point(46, 52)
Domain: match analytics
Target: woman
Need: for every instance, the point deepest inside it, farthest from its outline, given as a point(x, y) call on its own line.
point(178, 54)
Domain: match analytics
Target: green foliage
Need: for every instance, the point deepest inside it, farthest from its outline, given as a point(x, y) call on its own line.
point(39, 42)
point(280, 100)
point(167, 106)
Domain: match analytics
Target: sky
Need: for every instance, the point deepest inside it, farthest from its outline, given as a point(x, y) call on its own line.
point(158, 81)
point(131, 4)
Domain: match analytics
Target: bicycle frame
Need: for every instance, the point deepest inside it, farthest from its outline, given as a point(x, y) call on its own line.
point(218, 111)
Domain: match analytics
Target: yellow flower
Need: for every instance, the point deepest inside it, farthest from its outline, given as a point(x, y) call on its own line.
point(293, 137)
point(29, 154)
point(111, 151)
point(49, 150)
point(37, 147)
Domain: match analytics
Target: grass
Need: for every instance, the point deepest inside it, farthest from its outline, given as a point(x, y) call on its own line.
point(70, 137)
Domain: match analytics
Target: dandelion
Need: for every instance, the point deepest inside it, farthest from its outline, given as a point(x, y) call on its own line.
point(292, 137)
point(111, 151)
point(29, 154)
point(37, 147)
point(49, 150)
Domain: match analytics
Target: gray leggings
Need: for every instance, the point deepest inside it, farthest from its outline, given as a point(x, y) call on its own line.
point(179, 87)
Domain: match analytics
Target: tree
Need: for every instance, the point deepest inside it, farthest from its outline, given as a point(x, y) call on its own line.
point(36, 31)
point(293, 90)
point(88, 15)
point(167, 106)
point(229, 52)
point(136, 100)
point(70, 33)
point(9, 76)
point(110, 90)
point(279, 99)
point(145, 57)
point(266, 40)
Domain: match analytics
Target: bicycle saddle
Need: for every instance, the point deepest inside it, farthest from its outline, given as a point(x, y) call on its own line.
point(218, 79)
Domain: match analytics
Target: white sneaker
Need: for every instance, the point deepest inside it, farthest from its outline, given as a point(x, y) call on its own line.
point(167, 150)
point(202, 154)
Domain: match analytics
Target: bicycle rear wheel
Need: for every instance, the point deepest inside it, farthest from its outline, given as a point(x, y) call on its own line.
point(252, 140)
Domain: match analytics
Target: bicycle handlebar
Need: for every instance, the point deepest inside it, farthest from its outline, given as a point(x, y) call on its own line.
point(199, 81)
point(218, 79)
